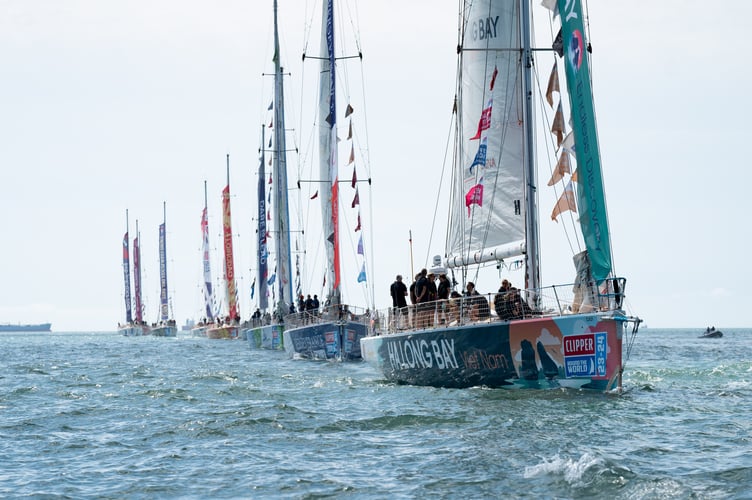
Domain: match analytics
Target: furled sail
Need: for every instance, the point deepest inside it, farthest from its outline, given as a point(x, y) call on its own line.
point(163, 299)
point(208, 294)
point(328, 153)
point(488, 211)
point(263, 269)
point(137, 278)
point(127, 279)
point(590, 195)
point(232, 294)
point(281, 206)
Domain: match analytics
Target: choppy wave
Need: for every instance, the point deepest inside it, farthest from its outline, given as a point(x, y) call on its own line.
point(94, 415)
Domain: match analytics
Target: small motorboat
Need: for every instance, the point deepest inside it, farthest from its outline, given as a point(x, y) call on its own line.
point(711, 333)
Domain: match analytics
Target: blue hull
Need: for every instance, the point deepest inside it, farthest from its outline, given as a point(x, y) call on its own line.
point(577, 351)
point(265, 337)
point(328, 340)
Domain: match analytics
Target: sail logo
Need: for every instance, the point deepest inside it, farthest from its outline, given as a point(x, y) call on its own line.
point(485, 28)
point(575, 50)
point(415, 353)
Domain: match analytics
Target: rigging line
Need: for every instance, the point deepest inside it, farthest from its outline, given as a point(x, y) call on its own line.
point(438, 193)
point(550, 147)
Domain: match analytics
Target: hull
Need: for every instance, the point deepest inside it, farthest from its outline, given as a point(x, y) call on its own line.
point(582, 351)
point(224, 332)
point(715, 334)
point(41, 327)
point(165, 331)
point(199, 331)
point(326, 340)
point(134, 330)
point(265, 337)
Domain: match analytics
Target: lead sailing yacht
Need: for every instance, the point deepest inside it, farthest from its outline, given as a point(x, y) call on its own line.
point(540, 336)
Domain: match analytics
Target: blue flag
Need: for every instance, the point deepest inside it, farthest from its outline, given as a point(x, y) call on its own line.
point(360, 245)
point(480, 156)
point(362, 275)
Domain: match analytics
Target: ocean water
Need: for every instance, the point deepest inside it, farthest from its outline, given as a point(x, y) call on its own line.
point(97, 415)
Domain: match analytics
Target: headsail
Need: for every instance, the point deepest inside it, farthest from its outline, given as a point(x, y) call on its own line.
point(163, 298)
point(590, 195)
point(208, 295)
point(262, 255)
point(328, 153)
point(232, 294)
point(137, 277)
point(127, 275)
point(281, 208)
point(488, 214)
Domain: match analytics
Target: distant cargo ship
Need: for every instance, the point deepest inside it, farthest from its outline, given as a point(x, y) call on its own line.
point(41, 327)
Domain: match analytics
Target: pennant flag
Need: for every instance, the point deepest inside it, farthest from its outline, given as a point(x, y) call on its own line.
point(362, 274)
point(349, 111)
point(349, 131)
point(485, 120)
point(575, 177)
point(558, 126)
point(272, 279)
point(270, 179)
point(354, 178)
point(329, 119)
point(360, 244)
point(352, 155)
point(324, 283)
point(270, 161)
point(356, 200)
point(253, 288)
point(568, 143)
point(493, 78)
point(270, 142)
point(474, 196)
point(315, 195)
point(268, 215)
point(551, 5)
point(553, 85)
point(271, 123)
point(558, 44)
point(357, 228)
point(562, 167)
point(480, 156)
point(271, 106)
point(566, 202)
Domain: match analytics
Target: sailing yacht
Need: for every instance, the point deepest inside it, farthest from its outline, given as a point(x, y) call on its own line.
point(130, 328)
point(266, 328)
point(334, 330)
point(538, 336)
point(199, 329)
point(166, 327)
point(230, 327)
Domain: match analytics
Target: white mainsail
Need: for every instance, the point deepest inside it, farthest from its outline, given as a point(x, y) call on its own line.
point(488, 215)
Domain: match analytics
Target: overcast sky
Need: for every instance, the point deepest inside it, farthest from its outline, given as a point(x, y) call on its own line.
point(107, 106)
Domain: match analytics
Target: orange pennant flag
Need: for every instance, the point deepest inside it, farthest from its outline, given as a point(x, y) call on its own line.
point(553, 85)
point(558, 127)
point(566, 202)
point(562, 167)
